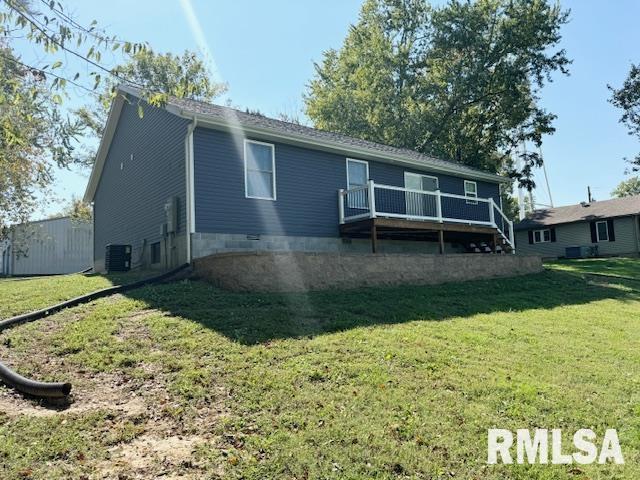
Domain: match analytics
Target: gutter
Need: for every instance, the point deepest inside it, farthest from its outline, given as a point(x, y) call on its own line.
point(301, 140)
point(189, 191)
point(581, 220)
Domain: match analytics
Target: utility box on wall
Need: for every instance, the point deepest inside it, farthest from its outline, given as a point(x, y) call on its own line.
point(171, 213)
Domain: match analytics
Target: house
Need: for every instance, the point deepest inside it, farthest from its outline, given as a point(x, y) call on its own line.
point(605, 228)
point(47, 247)
point(193, 179)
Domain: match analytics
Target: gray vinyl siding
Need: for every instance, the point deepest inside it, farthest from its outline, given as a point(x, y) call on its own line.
point(625, 242)
point(129, 202)
point(579, 234)
point(307, 184)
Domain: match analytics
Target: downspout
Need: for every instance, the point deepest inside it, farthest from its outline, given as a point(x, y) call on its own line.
point(188, 156)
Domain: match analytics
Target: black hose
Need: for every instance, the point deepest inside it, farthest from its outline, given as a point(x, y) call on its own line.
point(31, 276)
point(59, 390)
point(32, 387)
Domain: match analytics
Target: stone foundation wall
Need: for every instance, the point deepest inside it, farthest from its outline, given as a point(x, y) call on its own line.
point(299, 271)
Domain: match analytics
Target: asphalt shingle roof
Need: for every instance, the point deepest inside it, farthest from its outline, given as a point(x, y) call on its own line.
point(616, 207)
point(259, 121)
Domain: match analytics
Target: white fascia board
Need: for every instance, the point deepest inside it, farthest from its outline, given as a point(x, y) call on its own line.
point(103, 149)
point(360, 153)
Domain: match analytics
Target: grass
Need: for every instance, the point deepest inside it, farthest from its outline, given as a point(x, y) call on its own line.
point(21, 295)
point(625, 267)
point(375, 383)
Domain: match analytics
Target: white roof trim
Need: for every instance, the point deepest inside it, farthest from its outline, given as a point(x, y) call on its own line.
point(105, 144)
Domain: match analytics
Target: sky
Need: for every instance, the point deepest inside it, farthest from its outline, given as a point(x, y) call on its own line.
point(265, 51)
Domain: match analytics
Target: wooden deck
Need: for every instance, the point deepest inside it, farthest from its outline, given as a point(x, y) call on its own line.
point(418, 230)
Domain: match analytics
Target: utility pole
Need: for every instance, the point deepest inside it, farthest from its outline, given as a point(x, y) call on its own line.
point(521, 212)
point(546, 177)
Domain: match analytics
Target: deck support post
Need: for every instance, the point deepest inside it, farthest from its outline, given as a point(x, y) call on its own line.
point(374, 237)
point(496, 239)
point(441, 241)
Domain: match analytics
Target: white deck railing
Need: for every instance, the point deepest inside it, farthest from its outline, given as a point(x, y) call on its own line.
point(373, 200)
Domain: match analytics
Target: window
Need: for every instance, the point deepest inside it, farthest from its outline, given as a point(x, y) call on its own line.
point(417, 204)
point(602, 231)
point(541, 236)
point(357, 176)
point(416, 181)
point(357, 173)
point(259, 170)
point(155, 253)
point(471, 190)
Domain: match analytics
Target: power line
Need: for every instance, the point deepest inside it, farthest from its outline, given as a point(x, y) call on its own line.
point(66, 18)
point(42, 29)
point(44, 72)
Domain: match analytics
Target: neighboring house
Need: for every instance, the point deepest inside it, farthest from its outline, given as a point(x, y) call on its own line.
point(47, 247)
point(613, 226)
point(193, 179)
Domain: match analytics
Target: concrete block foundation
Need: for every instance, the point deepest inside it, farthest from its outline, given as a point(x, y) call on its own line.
point(204, 244)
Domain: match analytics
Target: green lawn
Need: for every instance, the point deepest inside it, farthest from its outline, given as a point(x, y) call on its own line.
point(21, 295)
point(388, 383)
point(626, 267)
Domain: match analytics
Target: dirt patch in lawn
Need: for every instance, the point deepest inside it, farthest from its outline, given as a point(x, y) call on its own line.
point(169, 434)
point(153, 456)
point(167, 431)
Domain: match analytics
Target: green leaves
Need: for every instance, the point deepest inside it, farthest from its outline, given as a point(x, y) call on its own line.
point(627, 188)
point(627, 98)
point(459, 81)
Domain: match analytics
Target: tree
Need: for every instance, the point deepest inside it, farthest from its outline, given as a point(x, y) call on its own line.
point(627, 98)
point(34, 137)
point(459, 81)
point(184, 76)
point(627, 188)
point(77, 210)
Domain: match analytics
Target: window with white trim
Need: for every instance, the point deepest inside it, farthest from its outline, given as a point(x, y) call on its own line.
point(542, 236)
point(471, 191)
point(418, 181)
point(602, 230)
point(259, 170)
point(418, 204)
point(357, 177)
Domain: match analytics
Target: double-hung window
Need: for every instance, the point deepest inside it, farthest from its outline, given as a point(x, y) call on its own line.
point(357, 178)
point(602, 230)
point(542, 236)
point(259, 170)
point(471, 191)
